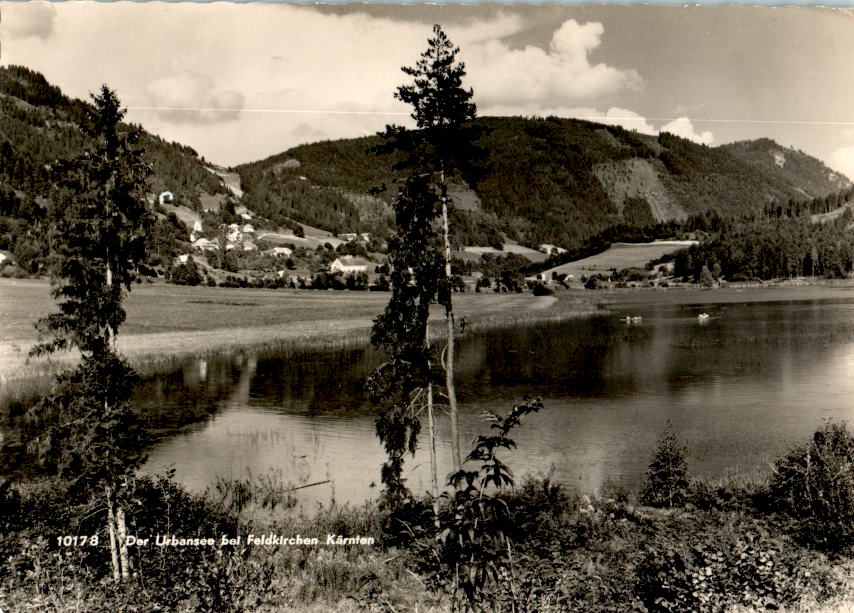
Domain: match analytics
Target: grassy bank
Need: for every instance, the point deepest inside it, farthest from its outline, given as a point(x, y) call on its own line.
point(167, 324)
point(723, 550)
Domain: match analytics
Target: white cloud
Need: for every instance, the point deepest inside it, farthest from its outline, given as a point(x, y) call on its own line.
point(614, 116)
point(683, 127)
point(243, 81)
point(842, 160)
point(556, 77)
point(35, 21)
point(188, 97)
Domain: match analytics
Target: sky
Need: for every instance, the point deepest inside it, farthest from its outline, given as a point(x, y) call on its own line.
point(240, 82)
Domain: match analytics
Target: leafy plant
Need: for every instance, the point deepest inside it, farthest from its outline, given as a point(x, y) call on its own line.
point(468, 553)
point(713, 570)
point(815, 483)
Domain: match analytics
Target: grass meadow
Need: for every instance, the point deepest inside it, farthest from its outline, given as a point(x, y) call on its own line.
point(619, 256)
point(167, 323)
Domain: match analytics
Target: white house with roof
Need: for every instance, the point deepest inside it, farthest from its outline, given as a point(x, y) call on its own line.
point(205, 244)
point(279, 251)
point(196, 233)
point(233, 232)
point(243, 212)
point(349, 264)
point(550, 249)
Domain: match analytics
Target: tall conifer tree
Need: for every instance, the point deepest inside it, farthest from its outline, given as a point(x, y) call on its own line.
point(439, 148)
point(98, 221)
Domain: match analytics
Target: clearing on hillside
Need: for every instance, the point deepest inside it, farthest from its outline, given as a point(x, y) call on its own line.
point(620, 256)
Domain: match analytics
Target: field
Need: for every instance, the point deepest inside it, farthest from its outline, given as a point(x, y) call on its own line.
point(618, 257)
point(168, 321)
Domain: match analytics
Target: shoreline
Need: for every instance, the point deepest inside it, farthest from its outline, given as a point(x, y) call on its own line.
point(309, 320)
point(157, 352)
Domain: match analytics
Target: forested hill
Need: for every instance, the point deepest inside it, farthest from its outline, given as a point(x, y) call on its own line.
point(547, 181)
point(557, 181)
point(39, 124)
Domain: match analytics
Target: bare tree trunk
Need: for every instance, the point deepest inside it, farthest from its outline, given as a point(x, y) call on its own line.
point(124, 557)
point(432, 433)
point(111, 527)
point(449, 320)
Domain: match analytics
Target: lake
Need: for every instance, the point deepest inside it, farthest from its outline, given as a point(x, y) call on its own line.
point(740, 388)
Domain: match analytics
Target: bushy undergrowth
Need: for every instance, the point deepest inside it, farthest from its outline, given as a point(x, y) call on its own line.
point(738, 543)
point(814, 483)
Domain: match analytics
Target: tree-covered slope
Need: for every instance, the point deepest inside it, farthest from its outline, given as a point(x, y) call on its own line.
point(39, 126)
point(546, 181)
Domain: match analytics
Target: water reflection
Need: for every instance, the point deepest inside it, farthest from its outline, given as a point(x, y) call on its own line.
point(740, 387)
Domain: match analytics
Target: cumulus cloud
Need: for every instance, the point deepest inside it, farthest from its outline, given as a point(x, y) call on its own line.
point(28, 20)
point(842, 160)
point(614, 116)
point(554, 77)
point(242, 81)
point(683, 127)
point(189, 97)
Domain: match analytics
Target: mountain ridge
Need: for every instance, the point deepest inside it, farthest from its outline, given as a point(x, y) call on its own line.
point(542, 180)
point(552, 180)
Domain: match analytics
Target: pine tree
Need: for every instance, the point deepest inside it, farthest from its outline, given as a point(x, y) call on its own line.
point(403, 384)
point(98, 219)
point(667, 476)
point(440, 147)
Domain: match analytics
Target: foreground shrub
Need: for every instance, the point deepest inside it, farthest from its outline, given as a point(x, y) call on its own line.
point(206, 578)
point(667, 476)
point(726, 566)
point(467, 553)
point(815, 484)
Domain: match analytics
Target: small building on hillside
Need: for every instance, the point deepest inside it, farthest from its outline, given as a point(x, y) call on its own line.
point(243, 212)
point(196, 233)
point(205, 244)
point(550, 249)
point(233, 232)
point(349, 264)
point(279, 252)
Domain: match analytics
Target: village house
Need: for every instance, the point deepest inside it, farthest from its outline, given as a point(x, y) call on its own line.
point(550, 249)
point(243, 212)
point(279, 251)
point(205, 244)
point(349, 264)
point(196, 233)
point(234, 234)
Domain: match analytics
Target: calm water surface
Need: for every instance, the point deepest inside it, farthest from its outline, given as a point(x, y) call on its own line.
point(739, 389)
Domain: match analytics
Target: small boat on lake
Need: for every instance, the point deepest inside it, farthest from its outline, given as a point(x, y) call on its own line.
point(703, 317)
